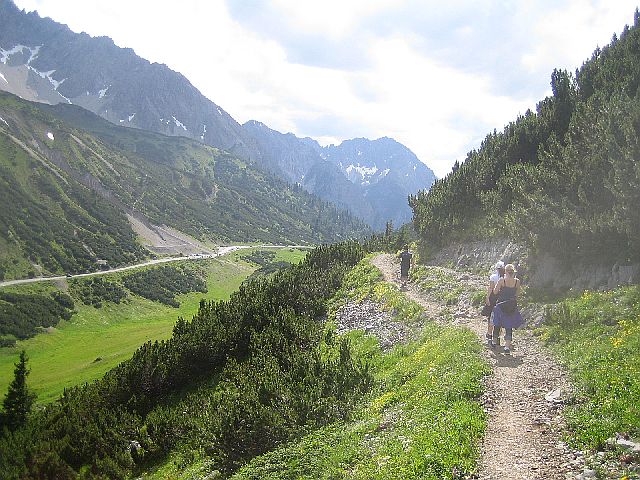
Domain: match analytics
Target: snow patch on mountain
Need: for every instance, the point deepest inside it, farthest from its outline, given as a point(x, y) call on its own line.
point(103, 92)
point(50, 136)
point(364, 171)
point(2, 77)
point(219, 111)
point(204, 130)
point(5, 54)
point(131, 117)
point(4, 121)
point(179, 123)
point(48, 76)
point(34, 54)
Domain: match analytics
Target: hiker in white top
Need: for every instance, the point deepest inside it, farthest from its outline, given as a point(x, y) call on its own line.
point(490, 300)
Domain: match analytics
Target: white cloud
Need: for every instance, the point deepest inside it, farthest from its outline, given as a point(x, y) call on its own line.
point(333, 18)
point(437, 78)
point(566, 35)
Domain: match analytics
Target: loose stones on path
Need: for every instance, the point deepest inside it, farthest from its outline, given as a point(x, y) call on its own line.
point(368, 316)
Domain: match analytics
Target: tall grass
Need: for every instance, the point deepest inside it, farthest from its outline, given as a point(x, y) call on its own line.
point(597, 335)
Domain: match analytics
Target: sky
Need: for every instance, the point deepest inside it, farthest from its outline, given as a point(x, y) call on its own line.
point(436, 76)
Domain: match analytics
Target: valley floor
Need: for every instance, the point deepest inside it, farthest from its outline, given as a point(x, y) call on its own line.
point(524, 431)
point(97, 339)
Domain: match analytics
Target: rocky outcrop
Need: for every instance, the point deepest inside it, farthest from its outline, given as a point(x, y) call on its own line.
point(480, 255)
point(538, 270)
point(549, 273)
point(370, 317)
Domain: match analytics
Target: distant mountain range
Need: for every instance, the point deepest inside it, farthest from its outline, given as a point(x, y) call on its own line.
point(370, 178)
point(44, 61)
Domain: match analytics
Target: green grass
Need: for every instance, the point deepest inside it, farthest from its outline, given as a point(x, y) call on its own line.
point(441, 285)
point(423, 419)
point(597, 335)
point(291, 255)
point(68, 355)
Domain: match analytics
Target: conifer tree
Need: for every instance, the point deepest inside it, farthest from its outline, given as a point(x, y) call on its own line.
point(19, 399)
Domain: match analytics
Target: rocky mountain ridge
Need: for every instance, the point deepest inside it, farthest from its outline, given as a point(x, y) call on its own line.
point(370, 178)
point(44, 61)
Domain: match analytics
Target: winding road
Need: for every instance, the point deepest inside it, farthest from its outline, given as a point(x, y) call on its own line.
point(221, 251)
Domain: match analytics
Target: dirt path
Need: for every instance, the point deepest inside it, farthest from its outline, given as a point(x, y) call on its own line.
point(523, 439)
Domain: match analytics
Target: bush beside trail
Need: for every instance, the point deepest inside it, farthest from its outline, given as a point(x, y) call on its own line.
point(422, 418)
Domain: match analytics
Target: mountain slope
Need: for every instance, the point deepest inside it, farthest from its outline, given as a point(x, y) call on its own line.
point(386, 171)
point(44, 61)
point(241, 377)
point(298, 162)
point(564, 179)
point(68, 192)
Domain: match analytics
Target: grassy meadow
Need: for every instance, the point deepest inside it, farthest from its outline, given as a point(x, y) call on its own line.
point(97, 339)
point(597, 336)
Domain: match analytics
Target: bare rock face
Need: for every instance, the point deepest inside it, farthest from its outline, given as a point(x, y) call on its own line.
point(549, 272)
point(539, 270)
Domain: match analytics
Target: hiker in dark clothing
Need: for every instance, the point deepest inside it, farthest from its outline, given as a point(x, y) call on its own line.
point(405, 263)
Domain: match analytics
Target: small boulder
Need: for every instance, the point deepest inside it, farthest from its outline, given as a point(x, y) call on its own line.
point(554, 396)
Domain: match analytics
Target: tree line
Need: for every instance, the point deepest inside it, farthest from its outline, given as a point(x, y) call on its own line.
point(23, 314)
point(564, 179)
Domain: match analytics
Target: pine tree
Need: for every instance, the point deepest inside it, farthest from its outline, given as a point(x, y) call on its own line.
point(19, 399)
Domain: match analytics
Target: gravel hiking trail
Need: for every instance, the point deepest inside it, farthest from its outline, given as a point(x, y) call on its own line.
point(523, 439)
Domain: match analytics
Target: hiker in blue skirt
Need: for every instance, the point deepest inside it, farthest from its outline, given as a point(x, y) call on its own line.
point(506, 313)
